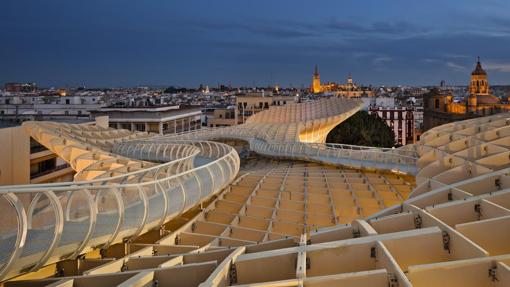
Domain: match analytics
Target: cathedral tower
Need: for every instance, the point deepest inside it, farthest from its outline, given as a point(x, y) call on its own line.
point(479, 84)
point(316, 81)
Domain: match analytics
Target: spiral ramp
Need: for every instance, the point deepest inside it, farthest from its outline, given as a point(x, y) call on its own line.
point(452, 229)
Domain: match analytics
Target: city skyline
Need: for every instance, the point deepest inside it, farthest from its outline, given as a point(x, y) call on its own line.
point(98, 44)
point(255, 143)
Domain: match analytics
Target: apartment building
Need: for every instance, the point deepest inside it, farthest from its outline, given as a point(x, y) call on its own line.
point(154, 119)
point(400, 120)
point(25, 161)
point(19, 107)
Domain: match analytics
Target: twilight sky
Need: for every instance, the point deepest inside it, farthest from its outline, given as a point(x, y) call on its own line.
point(100, 43)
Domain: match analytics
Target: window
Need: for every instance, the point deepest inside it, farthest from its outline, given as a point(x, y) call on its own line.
point(140, 127)
point(68, 102)
point(436, 104)
point(43, 167)
point(266, 105)
point(35, 146)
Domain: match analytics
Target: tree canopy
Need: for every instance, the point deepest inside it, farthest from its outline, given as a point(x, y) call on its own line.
point(363, 129)
point(172, 90)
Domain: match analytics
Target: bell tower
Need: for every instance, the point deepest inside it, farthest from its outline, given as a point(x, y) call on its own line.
point(316, 81)
point(479, 84)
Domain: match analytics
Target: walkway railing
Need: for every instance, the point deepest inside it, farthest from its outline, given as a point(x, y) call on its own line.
point(391, 159)
point(49, 222)
point(359, 157)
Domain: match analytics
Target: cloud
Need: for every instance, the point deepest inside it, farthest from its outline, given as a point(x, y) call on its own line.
point(380, 27)
point(499, 67)
point(272, 30)
point(245, 43)
point(455, 67)
point(285, 29)
point(381, 60)
point(430, 60)
point(362, 54)
point(456, 56)
point(279, 32)
point(501, 25)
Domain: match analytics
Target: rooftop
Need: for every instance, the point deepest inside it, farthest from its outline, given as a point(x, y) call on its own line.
point(183, 210)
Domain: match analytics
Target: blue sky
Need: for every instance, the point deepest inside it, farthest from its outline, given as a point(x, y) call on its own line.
point(101, 43)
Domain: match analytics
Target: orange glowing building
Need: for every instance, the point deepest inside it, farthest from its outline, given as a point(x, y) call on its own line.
point(349, 89)
point(439, 107)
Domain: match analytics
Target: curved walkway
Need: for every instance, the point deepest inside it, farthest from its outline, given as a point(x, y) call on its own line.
point(402, 160)
point(51, 222)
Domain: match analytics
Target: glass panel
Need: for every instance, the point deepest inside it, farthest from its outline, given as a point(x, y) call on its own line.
point(8, 230)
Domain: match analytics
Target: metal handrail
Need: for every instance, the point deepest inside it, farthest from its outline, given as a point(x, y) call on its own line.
point(190, 156)
point(399, 160)
point(196, 185)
